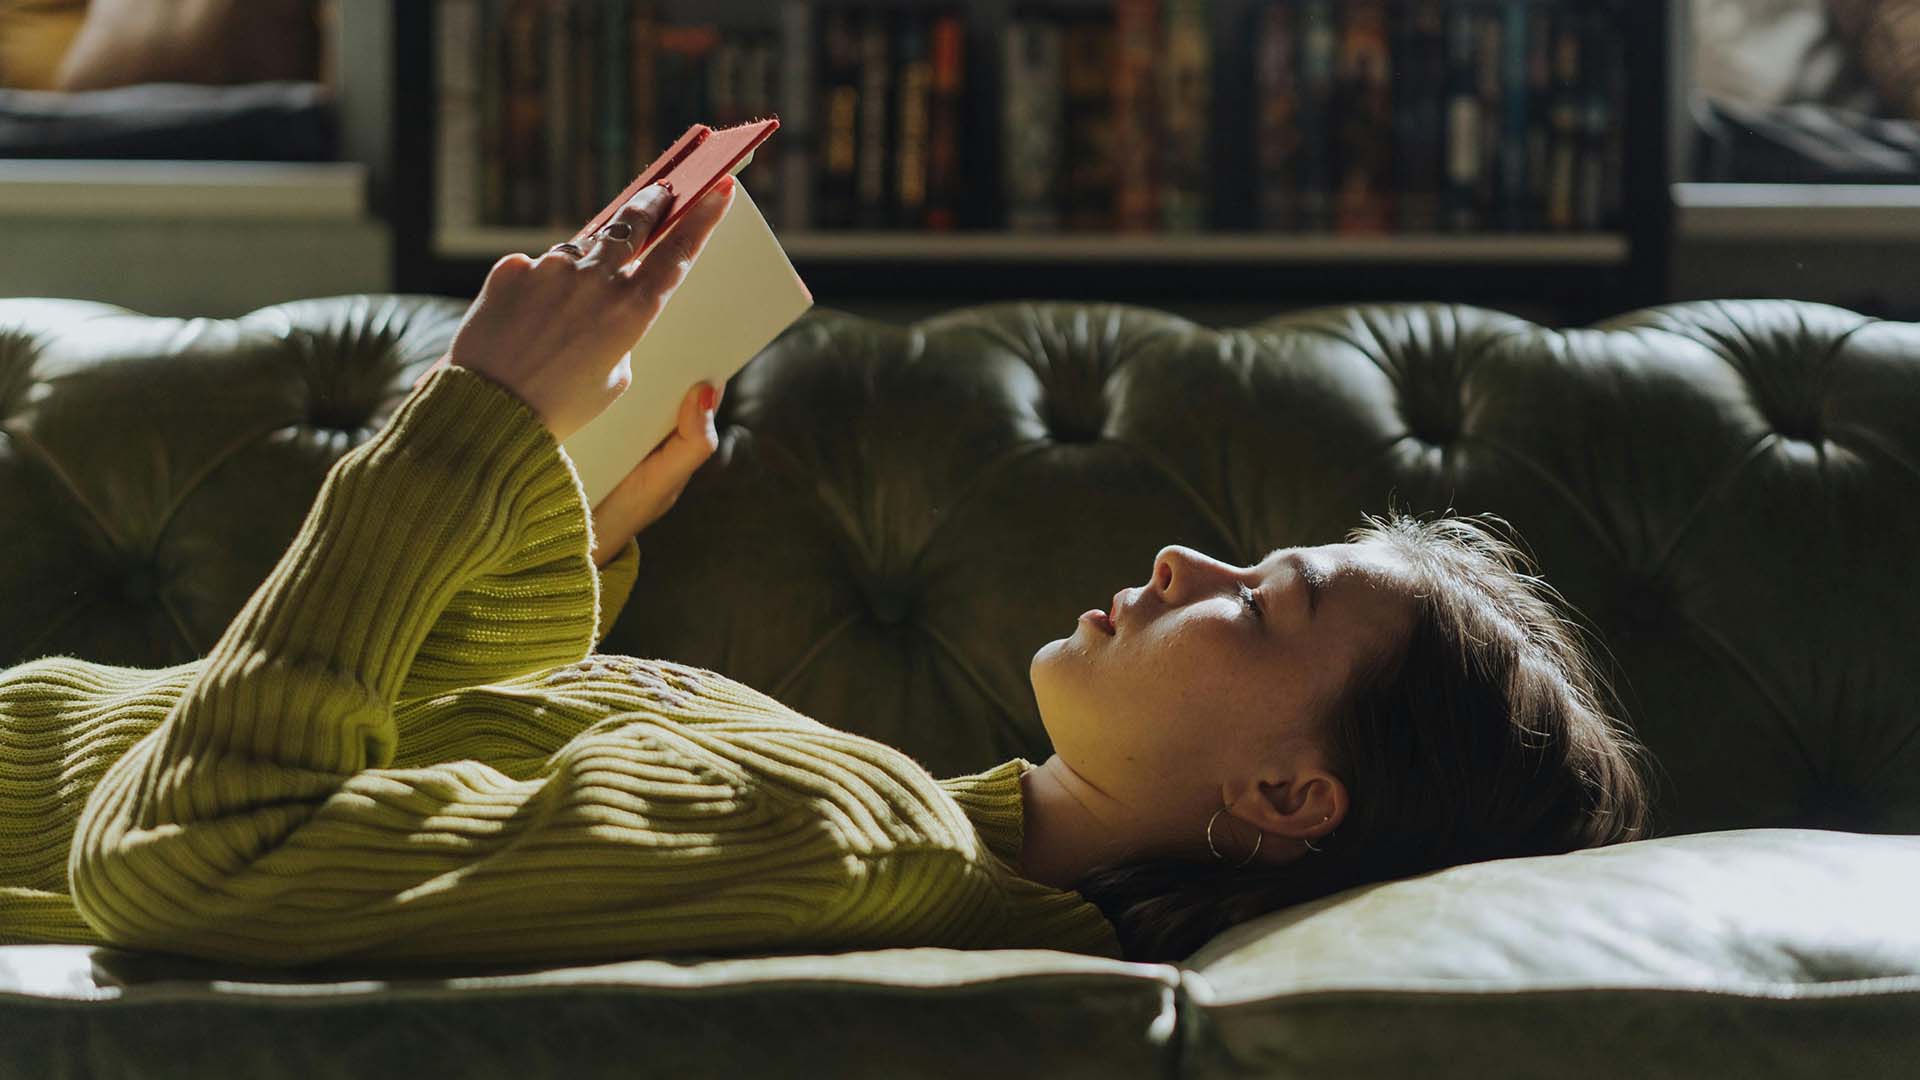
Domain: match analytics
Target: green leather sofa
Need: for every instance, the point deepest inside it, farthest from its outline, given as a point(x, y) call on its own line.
point(899, 516)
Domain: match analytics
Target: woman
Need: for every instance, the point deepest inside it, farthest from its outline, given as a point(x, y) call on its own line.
point(403, 747)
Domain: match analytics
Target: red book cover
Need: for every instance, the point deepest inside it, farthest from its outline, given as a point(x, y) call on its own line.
point(693, 164)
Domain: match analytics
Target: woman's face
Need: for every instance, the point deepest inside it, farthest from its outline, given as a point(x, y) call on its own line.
point(1191, 692)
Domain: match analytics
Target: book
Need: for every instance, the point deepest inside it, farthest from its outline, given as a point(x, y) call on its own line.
point(1086, 73)
point(1276, 120)
point(583, 87)
point(1182, 166)
point(1032, 155)
point(558, 117)
point(873, 170)
point(1420, 115)
point(457, 166)
point(944, 180)
point(1363, 159)
point(740, 294)
point(1138, 35)
point(492, 177)
point(1460, 210)
point(1319, 55)
point(525, 145)
point(839, 120)
point(913, 80)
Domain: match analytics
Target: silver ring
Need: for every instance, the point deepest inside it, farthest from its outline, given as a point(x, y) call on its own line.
point(567, 247)
point(625, 233)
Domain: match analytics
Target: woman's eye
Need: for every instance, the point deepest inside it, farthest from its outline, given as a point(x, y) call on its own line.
point(1246, 596)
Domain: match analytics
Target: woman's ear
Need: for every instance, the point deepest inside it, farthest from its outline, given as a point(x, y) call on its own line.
point(1306, 806)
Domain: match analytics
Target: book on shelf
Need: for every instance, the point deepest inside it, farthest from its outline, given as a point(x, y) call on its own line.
point(1185, 174)
point(1364, 103)
point(1366, 116)
point(1089, 194)
point(1140, 52)
point(1033, 126)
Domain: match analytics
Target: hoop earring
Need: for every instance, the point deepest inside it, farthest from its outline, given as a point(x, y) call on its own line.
point(1216, 851)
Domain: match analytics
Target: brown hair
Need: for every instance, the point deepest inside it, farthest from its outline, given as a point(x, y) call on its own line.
point(1483, 735)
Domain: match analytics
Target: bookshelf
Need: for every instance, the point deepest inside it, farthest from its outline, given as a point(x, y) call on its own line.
point(1573, 275)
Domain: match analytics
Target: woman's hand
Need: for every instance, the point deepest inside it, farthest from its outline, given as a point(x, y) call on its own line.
point(556, 331)
point(655, 484)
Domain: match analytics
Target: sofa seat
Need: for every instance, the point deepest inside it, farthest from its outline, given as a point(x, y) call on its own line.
point(1749, 953)
point(1801, 942)
point(884, 1013)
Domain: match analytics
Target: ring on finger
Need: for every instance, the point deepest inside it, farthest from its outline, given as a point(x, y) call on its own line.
point(620, 232)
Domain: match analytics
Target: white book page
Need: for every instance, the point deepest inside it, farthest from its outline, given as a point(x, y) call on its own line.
point(741, 292)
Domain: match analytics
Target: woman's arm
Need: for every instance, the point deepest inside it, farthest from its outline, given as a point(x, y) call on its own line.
point(264, 822)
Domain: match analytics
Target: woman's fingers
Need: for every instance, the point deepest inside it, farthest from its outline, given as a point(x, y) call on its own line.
point(629, 228)
point(667, 264)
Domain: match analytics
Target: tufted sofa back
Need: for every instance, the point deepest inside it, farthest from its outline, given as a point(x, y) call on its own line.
point(898, 517)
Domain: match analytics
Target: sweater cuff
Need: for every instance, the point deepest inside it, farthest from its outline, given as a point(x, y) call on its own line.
point(616, 585)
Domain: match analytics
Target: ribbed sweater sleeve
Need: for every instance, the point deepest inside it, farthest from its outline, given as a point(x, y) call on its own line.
point(261, 820)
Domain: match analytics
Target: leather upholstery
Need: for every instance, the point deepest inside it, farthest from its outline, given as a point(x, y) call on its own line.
point(898, 517)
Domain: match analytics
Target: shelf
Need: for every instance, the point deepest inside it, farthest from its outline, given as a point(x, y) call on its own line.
point(1811, 212)
point(1559, 249)
point(228, 190)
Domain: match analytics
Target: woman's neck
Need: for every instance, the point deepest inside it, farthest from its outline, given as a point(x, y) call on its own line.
point(1071, 827)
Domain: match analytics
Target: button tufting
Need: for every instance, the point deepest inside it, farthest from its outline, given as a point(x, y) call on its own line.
point(1645, 605)
point(140, 585)
point(889, 609)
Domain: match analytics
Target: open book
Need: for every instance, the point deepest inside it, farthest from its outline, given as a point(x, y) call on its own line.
point(740, 294)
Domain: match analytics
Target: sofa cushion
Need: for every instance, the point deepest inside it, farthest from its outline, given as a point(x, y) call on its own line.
point(124, 42)
point(1796, 950)
point(884, 1013)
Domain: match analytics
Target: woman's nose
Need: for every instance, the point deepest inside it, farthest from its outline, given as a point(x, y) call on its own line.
point(1177, 568)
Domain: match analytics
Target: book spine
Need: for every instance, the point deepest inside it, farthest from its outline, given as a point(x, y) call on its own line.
point(615, 103)
point(1460, 209)
point(494, 208)
point(1032, 151)
point(557, 108)
point(911, 139)
point(1276, 118)
point(525, 148)
point(1420, 116)
point(758, 90)
point(1319, 55)
point(944, 179)
point(1514, 181)
point(1596, 114)
point(872, 171)
point(1363, 199)
point(683, 60)
point(457, 112)
point(840, 117)
point(798, 120)
point(1611, 138)
point(1136, 34)
point(1563, 167)
point(723, 84)
point(1539, 115)
point(1183, 170)
point(1087, 69)
point(1492, 80)
point(645, 140)
point(584, 80)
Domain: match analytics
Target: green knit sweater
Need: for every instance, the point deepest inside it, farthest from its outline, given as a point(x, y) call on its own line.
point(404, 748)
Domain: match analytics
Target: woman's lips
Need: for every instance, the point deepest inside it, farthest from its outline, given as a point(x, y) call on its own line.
point(1100, 619)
